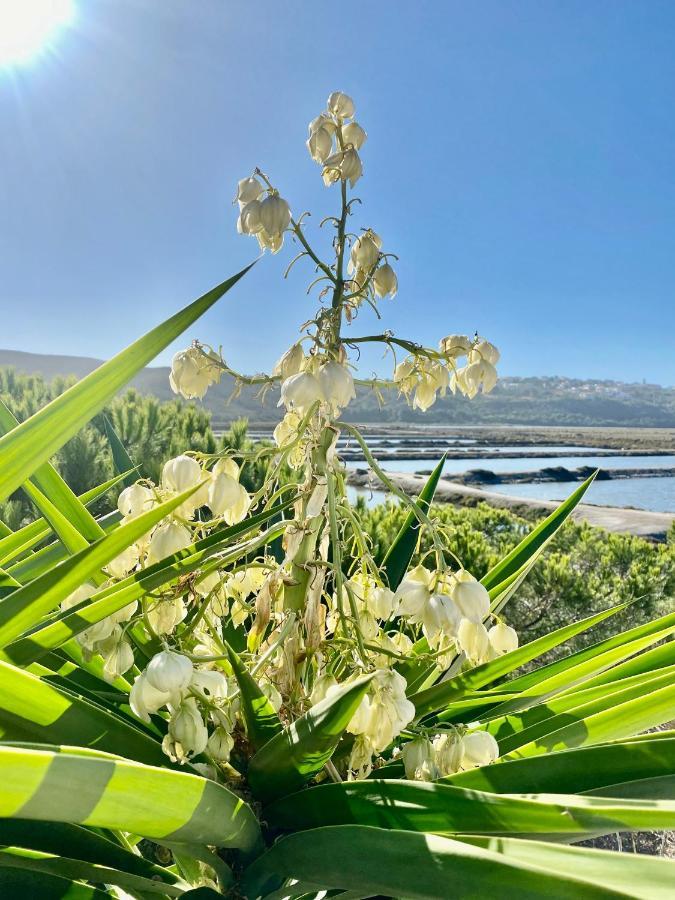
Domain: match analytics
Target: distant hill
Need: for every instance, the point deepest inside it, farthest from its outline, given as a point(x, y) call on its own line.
point(515, 401)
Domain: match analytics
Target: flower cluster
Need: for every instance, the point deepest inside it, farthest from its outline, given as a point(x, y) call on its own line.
point(426, 759)
point(334, 141)
point(313, 612)
point(263, 213)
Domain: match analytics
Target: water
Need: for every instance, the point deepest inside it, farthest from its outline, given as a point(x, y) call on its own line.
point(655, 494)
point(529, 464)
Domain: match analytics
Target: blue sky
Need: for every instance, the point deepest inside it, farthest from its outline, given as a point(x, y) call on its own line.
point(519, 161)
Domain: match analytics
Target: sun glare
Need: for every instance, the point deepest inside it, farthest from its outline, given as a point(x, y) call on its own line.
point(28, 26)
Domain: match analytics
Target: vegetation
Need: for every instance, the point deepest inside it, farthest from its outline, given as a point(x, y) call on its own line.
point(247, 692)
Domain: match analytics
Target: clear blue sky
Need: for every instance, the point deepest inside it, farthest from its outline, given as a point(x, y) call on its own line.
point(520, 161)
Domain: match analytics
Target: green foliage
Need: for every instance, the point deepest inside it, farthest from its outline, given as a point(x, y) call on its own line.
point(584, 569)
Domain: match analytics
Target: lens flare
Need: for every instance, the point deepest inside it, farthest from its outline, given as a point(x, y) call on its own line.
point(27, 27)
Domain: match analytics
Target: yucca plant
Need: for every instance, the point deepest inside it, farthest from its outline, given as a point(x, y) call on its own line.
point(200, 697)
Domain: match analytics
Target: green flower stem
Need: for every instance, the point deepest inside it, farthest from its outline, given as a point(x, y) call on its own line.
point(419, 513)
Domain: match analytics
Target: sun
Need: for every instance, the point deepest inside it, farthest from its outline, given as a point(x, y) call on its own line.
point(28, 26)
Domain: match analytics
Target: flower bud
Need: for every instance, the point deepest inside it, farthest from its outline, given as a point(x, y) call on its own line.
point(300, 392)
point(220, 745)
point(168, 539)
point(478, 749)
point(385, 281)
point(291, 362)
point(503, 638)
point(340, 105)
point(354, 134)
point(337, 385)
point(418, 760)
point(248, 189)
point(170, 673)
point(275, 215)
point(320, 144)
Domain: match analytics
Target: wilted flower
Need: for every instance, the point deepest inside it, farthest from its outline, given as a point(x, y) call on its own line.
point(193, 372)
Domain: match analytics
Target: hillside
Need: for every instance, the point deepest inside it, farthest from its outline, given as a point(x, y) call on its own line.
point(515, 401)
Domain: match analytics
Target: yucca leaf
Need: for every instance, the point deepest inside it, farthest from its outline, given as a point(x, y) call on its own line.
point(23, 883)
point(48, 481)
point(160, 804)
point(530, 547)
point(446, 809)
point(123, 463)
point(26, 606)
point(377, 862)
point(398, 556)
point(538, 720)
point(629, 874)
point(262, 721)
point(24, 449)
point(291, 758)
point(111, 599)
point(36, 861)
point(436, 697)
point(18, 542)
point(574, 771)
point(32, 709)
point(64, 839)
point(622, 719)
point(623, 638)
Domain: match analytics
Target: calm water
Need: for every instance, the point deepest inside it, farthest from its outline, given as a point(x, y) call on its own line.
point(530, 464)
point(655, 494)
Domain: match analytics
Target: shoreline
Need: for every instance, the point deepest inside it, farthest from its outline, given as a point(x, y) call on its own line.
point(649, 525)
